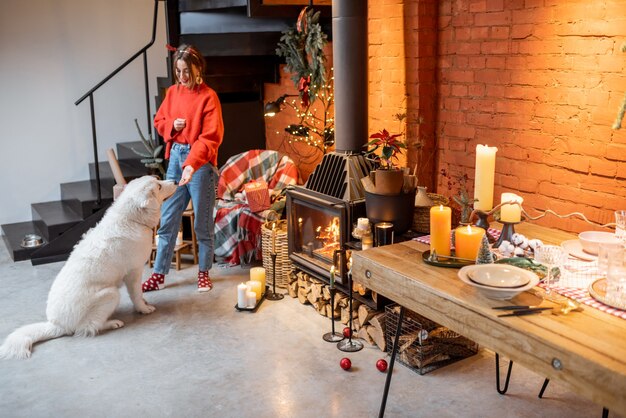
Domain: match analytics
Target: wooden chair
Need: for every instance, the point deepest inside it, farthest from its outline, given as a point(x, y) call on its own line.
point(193, 248)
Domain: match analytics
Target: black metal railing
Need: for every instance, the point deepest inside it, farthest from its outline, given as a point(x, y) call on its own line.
point(89, 94)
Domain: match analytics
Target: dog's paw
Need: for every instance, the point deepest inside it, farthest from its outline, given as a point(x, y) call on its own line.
point(146, 309)
point(114, 324)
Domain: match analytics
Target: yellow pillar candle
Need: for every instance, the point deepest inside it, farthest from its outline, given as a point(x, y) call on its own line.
point(467, 240)
point(258, 274)
point(255, 286)
point(484, 176)
point(510, 213)
point(440, 226)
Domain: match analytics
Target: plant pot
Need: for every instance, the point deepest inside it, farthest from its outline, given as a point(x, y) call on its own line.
point(388, 182)
point(397, 209)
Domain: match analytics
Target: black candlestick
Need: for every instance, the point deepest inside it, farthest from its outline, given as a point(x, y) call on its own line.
point(350, 345)
point(508, 229)
point(271, 294)
point(483, 223)
point(332, 337)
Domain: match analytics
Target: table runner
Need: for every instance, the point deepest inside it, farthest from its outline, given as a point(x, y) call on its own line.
point(578, 294)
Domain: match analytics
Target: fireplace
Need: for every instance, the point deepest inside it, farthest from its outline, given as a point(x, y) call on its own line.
point(319, 228)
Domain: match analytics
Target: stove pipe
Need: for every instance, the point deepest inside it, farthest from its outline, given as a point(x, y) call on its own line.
point(350, 68)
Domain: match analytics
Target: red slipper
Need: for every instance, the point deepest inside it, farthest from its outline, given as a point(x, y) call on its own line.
point(155, 282)
point(204, 281)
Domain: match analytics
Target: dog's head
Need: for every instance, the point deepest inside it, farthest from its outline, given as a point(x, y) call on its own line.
point(144, 197)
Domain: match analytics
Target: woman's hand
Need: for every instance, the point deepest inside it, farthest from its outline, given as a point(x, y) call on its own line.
point(179, 124)
point(186, 177)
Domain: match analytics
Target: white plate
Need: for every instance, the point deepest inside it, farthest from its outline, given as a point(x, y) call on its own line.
point(575, 249)
point(496, 292)
point(496, 275)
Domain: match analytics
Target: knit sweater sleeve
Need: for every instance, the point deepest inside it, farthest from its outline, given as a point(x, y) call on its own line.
point(164, 118)
point(204, 148)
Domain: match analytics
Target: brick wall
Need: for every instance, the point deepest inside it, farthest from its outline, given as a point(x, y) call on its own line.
point(542, 81)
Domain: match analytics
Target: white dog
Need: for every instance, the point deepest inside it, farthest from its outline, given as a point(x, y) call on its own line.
point(86, 291)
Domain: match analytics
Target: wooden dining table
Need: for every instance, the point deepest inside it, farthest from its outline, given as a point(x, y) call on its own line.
point(584, 350)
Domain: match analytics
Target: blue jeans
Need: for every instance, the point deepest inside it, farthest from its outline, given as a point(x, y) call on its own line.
point(201, 191)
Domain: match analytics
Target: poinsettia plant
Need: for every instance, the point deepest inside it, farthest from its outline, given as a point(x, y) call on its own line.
point(390, 146)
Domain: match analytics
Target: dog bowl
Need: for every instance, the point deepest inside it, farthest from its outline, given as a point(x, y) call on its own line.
point(591, 240)
point(31, 241)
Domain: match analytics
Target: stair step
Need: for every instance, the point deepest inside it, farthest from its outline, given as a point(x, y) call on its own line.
point(131, 169)
point(13, 235)
point(125, 149)
point(53, 218)
point(82, 196)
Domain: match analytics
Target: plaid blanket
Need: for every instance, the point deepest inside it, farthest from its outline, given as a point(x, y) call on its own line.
point(237, 228)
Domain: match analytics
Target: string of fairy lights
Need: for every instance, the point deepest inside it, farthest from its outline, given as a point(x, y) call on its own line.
point(316, 126)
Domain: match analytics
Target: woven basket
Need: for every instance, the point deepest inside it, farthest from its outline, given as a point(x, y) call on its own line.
point(283, 264)
point(421, 214)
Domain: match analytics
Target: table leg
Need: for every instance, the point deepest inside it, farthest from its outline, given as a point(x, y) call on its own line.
point(508, 376)
point(543, 388)
point(394, 351)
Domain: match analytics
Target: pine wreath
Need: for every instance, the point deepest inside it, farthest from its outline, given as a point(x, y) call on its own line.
point(302, 46)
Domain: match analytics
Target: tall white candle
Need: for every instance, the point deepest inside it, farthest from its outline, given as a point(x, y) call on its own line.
point(242, 301)
point(510, 212)
point(484, 177)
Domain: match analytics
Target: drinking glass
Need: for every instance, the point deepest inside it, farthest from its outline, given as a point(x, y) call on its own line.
point(551, 256)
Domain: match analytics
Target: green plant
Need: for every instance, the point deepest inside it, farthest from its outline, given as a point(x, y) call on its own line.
point(152, 156)
point(390, 147)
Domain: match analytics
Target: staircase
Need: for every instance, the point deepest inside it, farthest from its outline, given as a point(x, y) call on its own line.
point(61, 223)
point(238, 38)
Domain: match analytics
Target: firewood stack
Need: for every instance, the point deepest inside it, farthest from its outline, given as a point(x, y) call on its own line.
point(368, 323)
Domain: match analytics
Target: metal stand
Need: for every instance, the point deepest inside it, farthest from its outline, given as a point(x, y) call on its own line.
point(350, 345)
point(271, 294)
point(332, 337)
point(605, 411)
point(394, 351)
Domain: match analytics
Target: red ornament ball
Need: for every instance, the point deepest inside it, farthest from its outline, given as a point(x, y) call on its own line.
point(381, 365)
point(347, 332)
point(345, 363)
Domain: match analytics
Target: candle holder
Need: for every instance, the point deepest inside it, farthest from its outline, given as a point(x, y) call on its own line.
point(483, 222)
point(332, 336)
point(271, 294)
point(508, 229)
point(349, 345)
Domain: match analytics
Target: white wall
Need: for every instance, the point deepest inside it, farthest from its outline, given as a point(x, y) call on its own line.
point(51, 53)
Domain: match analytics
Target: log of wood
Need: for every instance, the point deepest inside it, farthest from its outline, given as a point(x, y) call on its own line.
point(378, 322)
point(326, 292)
point(341, 300)
point(377, 336)
point(292, 288)
point(365, 313)
point(320, 307)
point(364, 335)
point(316, 290)
point(302, 295)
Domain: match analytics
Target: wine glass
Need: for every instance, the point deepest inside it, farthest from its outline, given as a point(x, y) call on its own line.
point(551, 256)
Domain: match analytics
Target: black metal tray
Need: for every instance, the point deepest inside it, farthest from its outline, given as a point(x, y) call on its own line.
point(445, 262)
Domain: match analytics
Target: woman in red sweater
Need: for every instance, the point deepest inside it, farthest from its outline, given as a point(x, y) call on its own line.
point(190, 122)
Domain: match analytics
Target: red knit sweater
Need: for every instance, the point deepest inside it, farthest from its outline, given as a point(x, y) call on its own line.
point(205, 129)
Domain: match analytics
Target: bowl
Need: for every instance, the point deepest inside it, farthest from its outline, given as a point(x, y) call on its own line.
point(31, 241)
point(591, 240)
point(498, 281)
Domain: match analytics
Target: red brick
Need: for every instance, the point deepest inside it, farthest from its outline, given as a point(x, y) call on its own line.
point(495, 47)
point(459, 90)
point(499, 32)
point(496, 62)
point(492, 18)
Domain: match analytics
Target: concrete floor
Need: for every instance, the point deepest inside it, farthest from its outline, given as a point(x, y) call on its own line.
point(196, 356)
